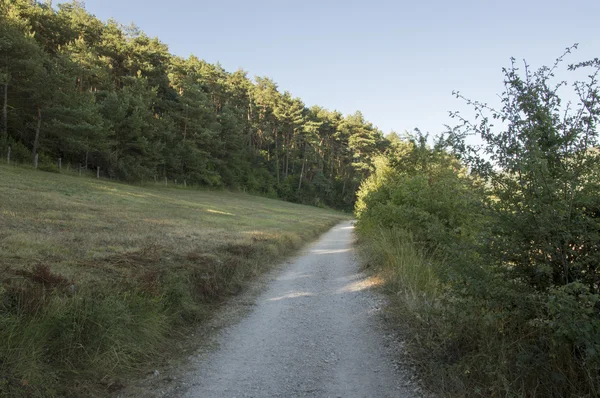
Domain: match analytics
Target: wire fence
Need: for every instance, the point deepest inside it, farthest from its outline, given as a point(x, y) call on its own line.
point(80, 170)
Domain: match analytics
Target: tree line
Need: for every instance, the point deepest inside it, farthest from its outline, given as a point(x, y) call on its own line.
point(100, 94)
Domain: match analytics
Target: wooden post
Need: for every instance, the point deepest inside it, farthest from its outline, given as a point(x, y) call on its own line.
point(4, 112)
point(37, 137)
point(184, 183)
point(8, 156)
point(35, 161)
point(59, 163)
point(165, 181)
point(98, 172)
point(154, 179)
point(79, 168)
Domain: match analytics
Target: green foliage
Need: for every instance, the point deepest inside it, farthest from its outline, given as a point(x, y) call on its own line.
point(572, 318)
point(503, 289)
point(542, 169)
point(49, 167)
point(429, 195)
point(109, 96)
point(19, 152)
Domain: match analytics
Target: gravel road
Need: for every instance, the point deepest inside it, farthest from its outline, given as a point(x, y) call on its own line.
point(313, 332)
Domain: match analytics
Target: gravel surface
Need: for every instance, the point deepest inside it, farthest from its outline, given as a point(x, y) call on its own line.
point(315, 331)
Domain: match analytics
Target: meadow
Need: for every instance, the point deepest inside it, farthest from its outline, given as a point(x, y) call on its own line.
point(96, 275)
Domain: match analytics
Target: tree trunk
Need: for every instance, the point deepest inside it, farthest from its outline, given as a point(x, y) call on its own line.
point(250, 127)
point(283, 173)
point(276, 154)
point(330, 166)
point(5, 114)
point(185, 124)
point(287, 156)
point(302, 171)
point(36, 141)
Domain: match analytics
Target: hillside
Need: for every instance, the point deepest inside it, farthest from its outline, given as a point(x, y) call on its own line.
point(95, 274)
point(104, 95)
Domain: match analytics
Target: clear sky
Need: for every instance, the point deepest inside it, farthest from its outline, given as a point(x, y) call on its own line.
point(396, 61)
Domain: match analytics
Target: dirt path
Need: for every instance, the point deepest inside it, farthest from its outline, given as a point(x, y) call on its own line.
point(315, 331)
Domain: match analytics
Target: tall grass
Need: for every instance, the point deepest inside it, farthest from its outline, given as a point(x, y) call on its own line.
point(491, 340)
point(408, 270)
point(415, 295)
point(85, 335)
point(57, 341)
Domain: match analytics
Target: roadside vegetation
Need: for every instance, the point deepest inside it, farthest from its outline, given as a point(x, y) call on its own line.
point(97, 276)
point(490, 253)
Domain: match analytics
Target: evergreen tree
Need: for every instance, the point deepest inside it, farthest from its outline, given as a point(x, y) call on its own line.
point(107, 95)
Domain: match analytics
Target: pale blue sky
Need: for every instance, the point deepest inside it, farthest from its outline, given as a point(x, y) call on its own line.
point(396, 61)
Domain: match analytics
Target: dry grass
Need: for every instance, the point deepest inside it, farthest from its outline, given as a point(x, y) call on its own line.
point(89, 230)
point(80, 253)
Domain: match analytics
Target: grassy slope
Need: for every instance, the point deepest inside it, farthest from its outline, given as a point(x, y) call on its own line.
point(94, 274)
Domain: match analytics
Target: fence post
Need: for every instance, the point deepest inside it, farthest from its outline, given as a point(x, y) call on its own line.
point(8, 156)
point(184, 183)
point(35, 161)
point(59, 163)
point(98, 172)
point(79, 168)
point(165, 181)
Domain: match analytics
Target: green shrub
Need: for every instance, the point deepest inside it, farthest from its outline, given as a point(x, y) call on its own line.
point(436, 202)
point(49, 167)
point(19, 153)
point(498, 286)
